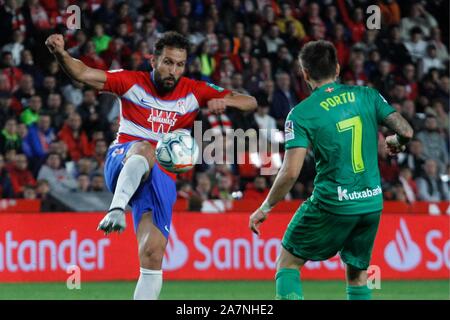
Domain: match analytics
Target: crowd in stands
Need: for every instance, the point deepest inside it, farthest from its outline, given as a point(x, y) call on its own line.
point(54, 133)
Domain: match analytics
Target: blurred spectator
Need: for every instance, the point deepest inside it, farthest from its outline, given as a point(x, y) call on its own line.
point(15, 47)
point(408, 184)
point(97, 183)
point(273, 39)
point(436, 40)
point(75, 138)
point(100, 150)
point(417, 47)
point(393, 48)
point(12, 73)
point(90, 57)
point(418, 18)
point(20, 175)
point(409, 78)
point(431, 187)
point(76, 43)
point(28, 66)
point(6, 190)
point(434, 145)
point(39, 137)
point(203, 189)
point(442, 117)
point(31, 114)
point(225, 52)
point(11, 19)
point(284, 99)
point(29, 193)
point(91, 115)
point(267, 124)
point(54, 109)
point(257, 191)
point(36, 16)
point(355, 24)
point(9, 138)
point(408, 111)
point(223, 189)
point(56, 174)
point(430, 61)
point(259, 48)
point(48, 203)
point(84, 183)
point(342, 46)
point(390, 12)
point(287, 17)
point(100, 39)
point(383, 78)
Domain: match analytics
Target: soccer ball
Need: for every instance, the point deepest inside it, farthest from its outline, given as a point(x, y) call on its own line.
point(177, 151)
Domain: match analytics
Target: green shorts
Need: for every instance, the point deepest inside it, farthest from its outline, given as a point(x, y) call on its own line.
point(316, 235)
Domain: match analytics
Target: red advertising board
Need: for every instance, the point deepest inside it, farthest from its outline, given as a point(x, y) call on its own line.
point(40, 247)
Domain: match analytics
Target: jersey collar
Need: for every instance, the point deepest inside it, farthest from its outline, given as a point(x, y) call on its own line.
point(327, 87)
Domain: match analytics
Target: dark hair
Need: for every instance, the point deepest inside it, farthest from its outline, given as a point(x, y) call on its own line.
point(319, 58)
point(171, 39)
point(415, 30)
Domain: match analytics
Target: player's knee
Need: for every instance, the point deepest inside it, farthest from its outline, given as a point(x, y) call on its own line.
point(287, 260)
point(145, 149)
point(151, 257)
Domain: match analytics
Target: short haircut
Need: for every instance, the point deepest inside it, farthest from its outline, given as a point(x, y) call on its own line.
point(319, 58)
point(171, 39)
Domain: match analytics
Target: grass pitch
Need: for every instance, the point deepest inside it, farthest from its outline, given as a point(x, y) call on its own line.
point(221, 290)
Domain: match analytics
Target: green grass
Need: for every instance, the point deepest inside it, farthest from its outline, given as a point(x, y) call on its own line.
point(227, 290)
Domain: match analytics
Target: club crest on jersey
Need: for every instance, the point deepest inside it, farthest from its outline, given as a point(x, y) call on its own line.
point(162, 121)
point(288, 130)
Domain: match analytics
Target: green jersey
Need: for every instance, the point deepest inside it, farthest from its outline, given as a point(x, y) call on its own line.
point(340, 123)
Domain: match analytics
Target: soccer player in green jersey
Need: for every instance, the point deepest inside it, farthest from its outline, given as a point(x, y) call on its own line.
point(340, 124)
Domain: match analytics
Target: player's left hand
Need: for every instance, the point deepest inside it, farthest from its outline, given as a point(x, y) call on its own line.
point(256, 219)
point(217, 106)
point(392, 145)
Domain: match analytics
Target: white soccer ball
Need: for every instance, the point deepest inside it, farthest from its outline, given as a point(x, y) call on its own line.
point(177, 151)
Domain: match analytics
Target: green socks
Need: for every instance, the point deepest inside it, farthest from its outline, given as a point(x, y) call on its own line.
point(358, 293)
point(288, 285)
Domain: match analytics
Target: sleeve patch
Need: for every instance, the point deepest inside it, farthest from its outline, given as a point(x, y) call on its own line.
point(288, 130)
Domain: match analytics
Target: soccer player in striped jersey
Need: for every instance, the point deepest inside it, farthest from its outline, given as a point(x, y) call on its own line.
point(152, 104)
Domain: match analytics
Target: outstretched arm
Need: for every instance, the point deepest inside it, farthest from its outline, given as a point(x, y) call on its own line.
point(288, 174)
point(74, 68)
point(396, 143)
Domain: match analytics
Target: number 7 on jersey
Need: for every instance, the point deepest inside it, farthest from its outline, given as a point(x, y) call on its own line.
point(355, 125)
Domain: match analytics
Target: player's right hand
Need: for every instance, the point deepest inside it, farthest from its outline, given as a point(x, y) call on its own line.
point(393, 146)
point(55, 43)
point(256, 219)
point(113, 221)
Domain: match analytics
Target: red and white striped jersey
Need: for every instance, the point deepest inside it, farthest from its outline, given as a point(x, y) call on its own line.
point(147, 115)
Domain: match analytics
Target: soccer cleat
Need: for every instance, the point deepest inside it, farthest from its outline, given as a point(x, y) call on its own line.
point(114, 220)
